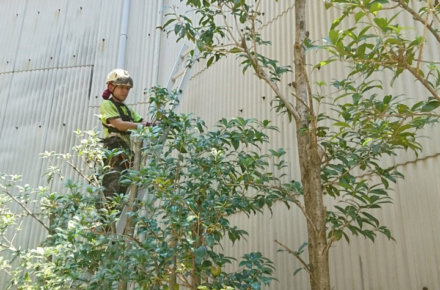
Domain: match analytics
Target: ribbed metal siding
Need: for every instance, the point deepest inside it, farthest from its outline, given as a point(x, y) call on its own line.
point(139, 60)
point(77, 34)
point(83, 36)
point(36, 118)
point(412, 261)
point(50, 44)
point(54, 58)
point(223, 91)
point(47, 106)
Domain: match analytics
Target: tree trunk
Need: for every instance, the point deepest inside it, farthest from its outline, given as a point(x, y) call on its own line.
point(316, 213)
point(172, 282)
point(310, 163)
point(136, 144)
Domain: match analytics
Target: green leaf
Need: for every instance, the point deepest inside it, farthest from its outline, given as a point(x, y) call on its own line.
point(359, 15)
point(368, 140)
point(376, 6)
point(402, 108)
point(297, 271)
point(200, 254)
point(341, 124)
point(169, 22)
point(371, 218)
point(387, 99)
point(191, 218)
point(324, 63)
point(333, 36)
point(302, 247)
point(236, 50)
point(235, 143)
point(210, 61)
point(381, 22)
point(430, 106)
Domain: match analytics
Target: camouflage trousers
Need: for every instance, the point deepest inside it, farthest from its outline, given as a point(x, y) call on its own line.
point(111, 180)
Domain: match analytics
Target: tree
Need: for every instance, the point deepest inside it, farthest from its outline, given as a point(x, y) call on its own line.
point(192, 180)
point(343, 159)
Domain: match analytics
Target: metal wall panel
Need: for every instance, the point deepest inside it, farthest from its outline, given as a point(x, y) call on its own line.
point(73, 44)
point(54, 58)
point(139, 60)
point(37, 43)
point(106, 48)
point(47, 106)
point(12, 18)
point(140, 52)
point(412, 260)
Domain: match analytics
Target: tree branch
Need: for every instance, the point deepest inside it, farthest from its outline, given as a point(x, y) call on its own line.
point(27, 210)
point(301, 207)
point(418, 18)
point(305, 265)
point(254, 61)
point(422, 80)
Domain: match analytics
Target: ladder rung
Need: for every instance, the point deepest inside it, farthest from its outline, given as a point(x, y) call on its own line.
point(178, 75)
point(185, 53)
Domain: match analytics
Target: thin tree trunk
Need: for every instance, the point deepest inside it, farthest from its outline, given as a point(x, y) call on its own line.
point(196, 279)
point(173, 274)
point(133, 189)
point(131, 207)
point(310, 163)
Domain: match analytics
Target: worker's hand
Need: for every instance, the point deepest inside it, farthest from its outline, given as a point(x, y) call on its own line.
point(148, 124)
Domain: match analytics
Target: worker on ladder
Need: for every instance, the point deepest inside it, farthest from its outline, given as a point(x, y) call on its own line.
point(117, 119)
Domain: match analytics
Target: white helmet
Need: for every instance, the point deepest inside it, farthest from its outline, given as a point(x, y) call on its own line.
point(119, 77)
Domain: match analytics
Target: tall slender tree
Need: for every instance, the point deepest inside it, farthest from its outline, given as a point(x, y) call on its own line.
point(342, 160)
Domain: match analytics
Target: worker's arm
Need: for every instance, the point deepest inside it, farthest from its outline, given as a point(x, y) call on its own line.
point(121, 125)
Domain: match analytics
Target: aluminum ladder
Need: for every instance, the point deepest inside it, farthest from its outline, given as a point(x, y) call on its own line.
point(178, 80)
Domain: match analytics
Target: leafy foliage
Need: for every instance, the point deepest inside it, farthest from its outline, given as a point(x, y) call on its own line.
point(370, 124)
point(192, 181)
point(365, 124)
point(374, 38)
point(196, 178)
point(229, 27)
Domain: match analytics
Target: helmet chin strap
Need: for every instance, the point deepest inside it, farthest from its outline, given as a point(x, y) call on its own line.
point(113, 96)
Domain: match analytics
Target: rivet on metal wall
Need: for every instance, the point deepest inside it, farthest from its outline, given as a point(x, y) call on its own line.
point(59, 10)
point(263, 97)
point(16, 127)
point(96, 97)
point(80, 8)
point(16, 14)
point(103, 39)
point(241, 110)
point(38, 12)
point(29, 59)
point(51, 57)
point(74, 55)
point(7, 62)
point(64, 124)
point(39, 126)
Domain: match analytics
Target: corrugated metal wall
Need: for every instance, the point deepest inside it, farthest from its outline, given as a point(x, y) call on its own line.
point(55, 56)
point(410, 262)
point(54, 59)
